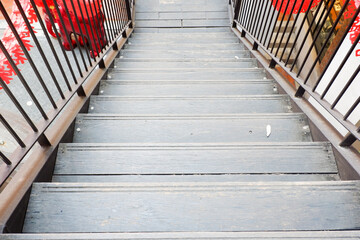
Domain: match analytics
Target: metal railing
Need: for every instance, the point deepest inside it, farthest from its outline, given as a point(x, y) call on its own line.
point(51, 74)
point(284, 31)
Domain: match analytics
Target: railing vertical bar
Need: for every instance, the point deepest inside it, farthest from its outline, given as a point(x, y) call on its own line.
point(346, 87)
point(59, 37)
point(306, 36)
point(108, 22)
point(82, 35)
point(252, 20)
point(280, 25)
point(270, 23)
point(21, 10)
point(337, 49)
point(316, 37)
point(351, 110)
point(51, 46)
point(75, 36)
point(96, 50)
point(122, 14)
point(276, 19)
point(18, 105)
point(96, 28)
point(326, 41)
point(23, 81)
point(292, 28)
point(12, 131)
point(265, 22)
point(258, 23)
point(98, 24)
point(67, 38)
point(100, 7)
point(119, 16)
point(116, 18)
point(340, 67)
point(86, 30)
point(128, 10)
point(242, 10)
point(5, 159)
point(284, 32)
point(25, 51)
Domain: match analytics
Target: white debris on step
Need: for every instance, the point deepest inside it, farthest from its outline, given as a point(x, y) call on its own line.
point(268, 130)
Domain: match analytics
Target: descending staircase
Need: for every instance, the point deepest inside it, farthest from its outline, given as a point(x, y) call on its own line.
point(189, 138)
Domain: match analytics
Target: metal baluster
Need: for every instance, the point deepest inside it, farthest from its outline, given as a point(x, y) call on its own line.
point(12, 131)
point(316, 37)
point(51, 45)
point(23, 81)
point(25, 51)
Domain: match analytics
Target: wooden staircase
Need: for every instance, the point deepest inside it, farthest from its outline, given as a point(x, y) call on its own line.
point(190, 139)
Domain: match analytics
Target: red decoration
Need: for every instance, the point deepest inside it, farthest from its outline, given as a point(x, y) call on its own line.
point(13, 47)
point(283, 3)
point(355, 28)
point(95, 22)
point(10, 42)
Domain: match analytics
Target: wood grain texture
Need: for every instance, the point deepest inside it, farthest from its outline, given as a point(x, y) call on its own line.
point(190, 88)
point(190, 105)
point(108, 128)
point(199, 207)
point(117, 159)
point(336, 235)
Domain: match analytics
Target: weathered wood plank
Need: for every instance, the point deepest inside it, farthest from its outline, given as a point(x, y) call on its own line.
point(197, 178)
point(202, 207)
point(202, 88)
point(97, 128)
point(190, 105)
point(296, 158)
point(319, 235)
point(180, 54)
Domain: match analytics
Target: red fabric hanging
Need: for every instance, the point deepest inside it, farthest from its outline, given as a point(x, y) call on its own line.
point(282, 3)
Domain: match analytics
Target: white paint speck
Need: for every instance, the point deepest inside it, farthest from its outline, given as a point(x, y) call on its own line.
point(29, 103)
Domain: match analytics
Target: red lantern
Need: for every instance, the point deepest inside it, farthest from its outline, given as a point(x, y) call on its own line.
point(304, 7)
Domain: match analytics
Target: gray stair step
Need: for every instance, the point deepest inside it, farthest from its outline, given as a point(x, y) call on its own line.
point(188, 207)
point(190, 105)
point(153, 46)
point(175, 23)
point(97, 128)
point(194, 61)
point(184, 35)
point(190, 88)
point(198, 54)
point(186, 74)
point(198, 15)
point(198, 178)
point(182, 30)
point(181, 6)
point(174, 41)
point(196, 159)
point(291, 235)
point(123, 64)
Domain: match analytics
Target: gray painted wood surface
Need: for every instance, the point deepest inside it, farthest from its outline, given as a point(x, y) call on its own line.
point(180, 54)
point(192, 129)
point(199, 207)
point(350, 235)
point(182, 30)
point(126, 64)
point(190, 105)
point(186, 75)
point(190, 88)
point(116, 159)
point(206, 47)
